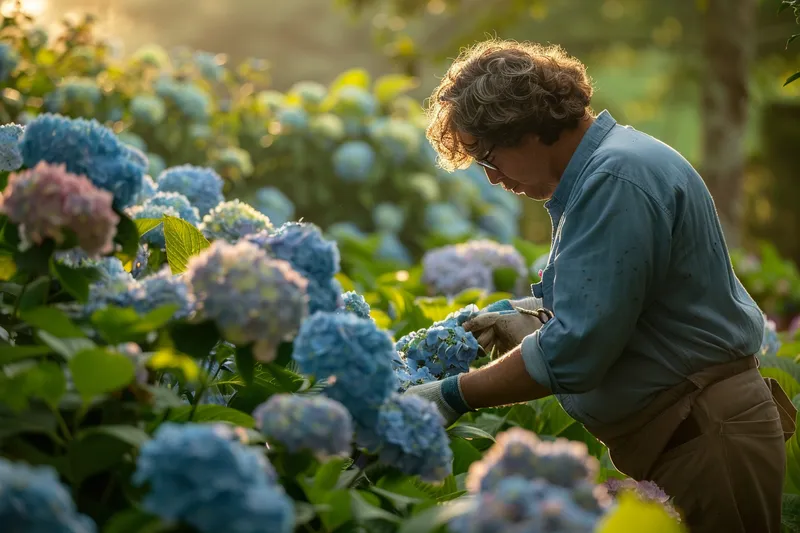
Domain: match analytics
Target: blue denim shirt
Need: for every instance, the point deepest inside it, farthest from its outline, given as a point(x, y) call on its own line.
point(639, 279)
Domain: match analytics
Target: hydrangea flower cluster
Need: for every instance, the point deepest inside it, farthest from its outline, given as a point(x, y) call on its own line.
point(87, 148)
point(399, 138)
point(79, 90)
point(388, 217)
point(316, 258)
point(47, 200)
point(644, 490)
point(109, 267)
point(327, 127)
point(446, 220)
point(274, 204)
point(526, 484)
point(143, 295)
point(149, 189)
point(236, 160)
point(10, 156)
point(230, 221)
point(314, 423)
point(354, 102)
point(292, 119)
point(353, 355)
point(410, 435)
point(356, 304)
point(390, 248)
point(201, 185)
point(35, 501)
point(311, 93)
point(189, 99)
point(452, 269)
point(9, 59)
point(445, 350)
point(251, 297)
point(200, 475)
point(353, 161)
point(164, 203)
point(771, 343)
point(148, 109)
point(408, 377)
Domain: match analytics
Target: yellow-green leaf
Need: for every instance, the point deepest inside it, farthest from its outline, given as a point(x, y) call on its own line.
point(183, 241)
point(389, 87)
point(631, 513)
point(170, 360)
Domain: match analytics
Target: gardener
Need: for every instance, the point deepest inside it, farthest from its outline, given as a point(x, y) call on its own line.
point(646, 336)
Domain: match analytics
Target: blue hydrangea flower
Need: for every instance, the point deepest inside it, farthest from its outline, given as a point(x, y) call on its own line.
point(356, 304)
point(86, 148)
point(148, 109)
point(108, 267)
point(189, 99)
point(230, 221)
point(311, 93)
point(149, 189)
point(345, 230)
point(292, 119)
point(457, 318)
point(179, 203)
point(34, 500)
point(327, 127)
point(390, 248)
point(274, 204)
point(154, 237)
point(518, 452)
point(209, 65)
point(251, 297)
point(80, 90)
point(407, 377)
point(353, 355)
point(445, 350)
point(353, 161)
point(399, 138)
point(9, 59)
point(520, 505)
point(314, 423)
point(771, 343)
point(144, 295)
point(354, 102)
point(413, 438)
point(201, 475)
point(316, 258)
point(445, 220)
point(201, 185)
point(10, 156)
point(388, 217)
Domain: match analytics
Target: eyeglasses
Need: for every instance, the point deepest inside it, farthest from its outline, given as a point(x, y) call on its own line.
point(485, 163)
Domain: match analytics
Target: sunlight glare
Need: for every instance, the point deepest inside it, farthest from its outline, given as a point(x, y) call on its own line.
point(31, 7)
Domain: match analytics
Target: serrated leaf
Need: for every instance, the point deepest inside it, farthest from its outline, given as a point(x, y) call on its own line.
point(143, 225)
point(183, 241)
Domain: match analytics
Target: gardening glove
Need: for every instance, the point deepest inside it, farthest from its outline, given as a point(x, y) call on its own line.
point(502, 331)
point(446, 395)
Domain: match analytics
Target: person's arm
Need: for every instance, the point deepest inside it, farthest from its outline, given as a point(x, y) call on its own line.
point(502, 382)
point(615, 243)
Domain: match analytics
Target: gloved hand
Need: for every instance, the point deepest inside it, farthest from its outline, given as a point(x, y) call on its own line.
point(446, 394)
point(502, 331)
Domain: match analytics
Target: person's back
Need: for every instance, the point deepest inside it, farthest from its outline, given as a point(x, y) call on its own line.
point(697, 312)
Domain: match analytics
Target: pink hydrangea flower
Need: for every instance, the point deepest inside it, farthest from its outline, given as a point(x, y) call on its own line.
point(47, 200)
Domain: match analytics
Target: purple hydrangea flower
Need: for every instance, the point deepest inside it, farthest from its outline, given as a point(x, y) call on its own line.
point(250, 296)
point(314, 423)
point(452, 269)
point(48, 200)
point(35, 501)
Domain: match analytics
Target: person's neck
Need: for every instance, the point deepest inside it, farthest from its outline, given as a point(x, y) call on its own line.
point(567, 145)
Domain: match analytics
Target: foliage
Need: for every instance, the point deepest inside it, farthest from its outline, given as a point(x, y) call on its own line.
point(794, 5)
point(354, 151)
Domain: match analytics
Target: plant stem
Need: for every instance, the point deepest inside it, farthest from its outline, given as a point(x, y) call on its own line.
point(201, 392)
point(62, 424)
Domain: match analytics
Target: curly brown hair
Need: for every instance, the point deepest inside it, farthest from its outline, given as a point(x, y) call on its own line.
point(498, 91)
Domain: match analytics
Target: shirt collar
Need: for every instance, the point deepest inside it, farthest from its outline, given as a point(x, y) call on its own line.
point(591, 140)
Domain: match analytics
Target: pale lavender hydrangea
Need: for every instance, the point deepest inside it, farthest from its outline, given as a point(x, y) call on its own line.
point(251, 297)
point(10, 156)
point(313, 423)
point(230, 221)
point(47, 200)
point(452, 269)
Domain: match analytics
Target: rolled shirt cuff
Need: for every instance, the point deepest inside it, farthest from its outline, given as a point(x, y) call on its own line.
point(500, 305)
point(533, 357)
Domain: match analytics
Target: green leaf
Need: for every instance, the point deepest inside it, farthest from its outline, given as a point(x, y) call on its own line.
point(389, 87)
point(7, 266)
point(434, 518)
point(128, 237)
point(793, 464)
point(505, 279)
point(52, 321)
point(789, 385)
point(36, 259)
point(75, 281)
point(356, 77)
point(792, 38)
point(35, 294)
point(245, 364)
point(790, 79)
point(66, 348)
point(183, 241)
point(213, 413)
point(468, 296)
point(103, 448)
point(47, 381)
point(364, 511)
point(10, 354)
point(196, 340)
point(99, 371)
point(118, 325)
point(143, 225)
point(464, 454)
point(328, 474)
point(36, 419)
point(466, 431)
point(790, 515)
point(133, 521)
point(398, 500)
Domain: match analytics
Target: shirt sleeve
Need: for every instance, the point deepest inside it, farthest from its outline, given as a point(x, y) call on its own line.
point(614, 240)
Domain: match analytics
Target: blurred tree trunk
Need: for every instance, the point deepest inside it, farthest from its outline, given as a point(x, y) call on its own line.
point(729, 43)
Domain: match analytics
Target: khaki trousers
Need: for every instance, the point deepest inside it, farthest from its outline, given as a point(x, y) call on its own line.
point(715, 444)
